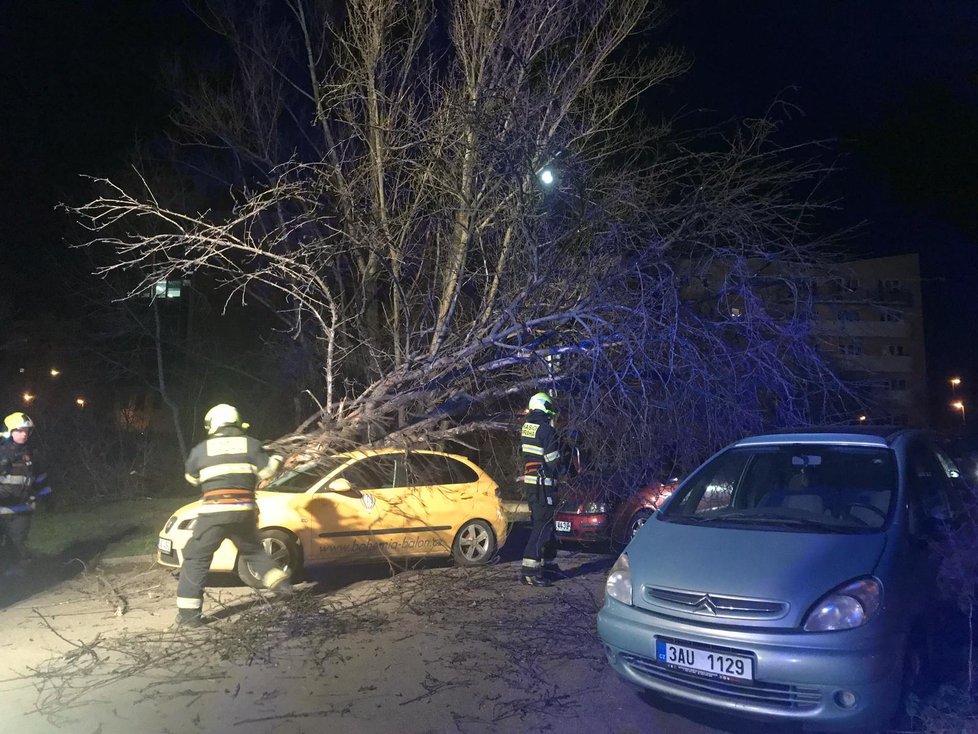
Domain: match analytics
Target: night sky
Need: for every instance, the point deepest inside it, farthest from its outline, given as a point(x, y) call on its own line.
point(81, 83)
point(893, 84)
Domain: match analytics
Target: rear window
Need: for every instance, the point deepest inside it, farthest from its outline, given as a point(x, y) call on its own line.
point(800, 486)
point(437, 470)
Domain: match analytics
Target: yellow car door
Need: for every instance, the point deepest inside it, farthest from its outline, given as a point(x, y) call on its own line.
point(362, 512)
point(418, 525)
point(448, 492)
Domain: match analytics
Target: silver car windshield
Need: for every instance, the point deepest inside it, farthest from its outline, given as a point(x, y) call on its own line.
point(804, 487)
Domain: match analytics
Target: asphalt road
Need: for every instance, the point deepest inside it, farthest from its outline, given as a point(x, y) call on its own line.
point(432, 649)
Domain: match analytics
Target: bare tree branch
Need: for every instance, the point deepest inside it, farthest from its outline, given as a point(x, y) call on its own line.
point(386, 198)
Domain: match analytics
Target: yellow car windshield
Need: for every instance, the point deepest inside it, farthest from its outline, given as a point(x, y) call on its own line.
point(301, 478)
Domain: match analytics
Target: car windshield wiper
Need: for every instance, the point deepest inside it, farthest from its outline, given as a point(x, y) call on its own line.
point(765, 518)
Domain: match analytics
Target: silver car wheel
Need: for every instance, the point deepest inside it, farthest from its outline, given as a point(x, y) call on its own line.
point(278, 551)
point(475, 544)
point(282, 550)
point(638, 521)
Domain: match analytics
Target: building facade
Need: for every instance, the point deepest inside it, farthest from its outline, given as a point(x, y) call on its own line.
point(869, 324)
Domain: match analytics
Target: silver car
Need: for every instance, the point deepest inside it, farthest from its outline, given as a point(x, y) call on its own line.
point(788, 578)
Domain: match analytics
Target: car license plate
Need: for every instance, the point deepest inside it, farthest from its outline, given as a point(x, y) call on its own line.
point(563, 526)
point(165, 545)
point(708, 663)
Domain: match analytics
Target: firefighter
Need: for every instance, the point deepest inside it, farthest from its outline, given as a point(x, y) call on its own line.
point(22, 483)
point(541, 466)
point(226, 466)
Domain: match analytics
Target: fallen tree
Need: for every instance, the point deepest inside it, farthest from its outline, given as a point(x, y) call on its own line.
point(460, 204)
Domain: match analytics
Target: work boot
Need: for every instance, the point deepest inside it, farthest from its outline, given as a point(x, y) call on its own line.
point(187, 621)
point(278, 582)
point(528, 580)
point(552, 571)
point(283, 589)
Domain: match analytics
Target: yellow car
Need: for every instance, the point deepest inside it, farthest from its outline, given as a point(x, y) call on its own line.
point(363, 506)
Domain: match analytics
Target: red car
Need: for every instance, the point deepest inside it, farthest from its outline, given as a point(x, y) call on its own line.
point(580, 518)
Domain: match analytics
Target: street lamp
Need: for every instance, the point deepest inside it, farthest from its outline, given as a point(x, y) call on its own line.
point(959, 405)
point(28, 398)
point(955, 381)
point(546, 177)
point(862, 419)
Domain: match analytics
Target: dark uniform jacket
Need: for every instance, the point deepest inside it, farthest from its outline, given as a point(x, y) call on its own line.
point(21, 479)
point(540, 450)
point(227, 467)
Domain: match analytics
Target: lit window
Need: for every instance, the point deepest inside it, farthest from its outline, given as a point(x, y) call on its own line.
point(167, 289)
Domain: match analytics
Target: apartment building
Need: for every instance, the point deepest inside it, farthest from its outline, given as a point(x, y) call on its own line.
point(869, 323)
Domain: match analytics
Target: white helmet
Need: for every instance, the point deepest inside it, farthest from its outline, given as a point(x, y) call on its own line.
point(221, 415)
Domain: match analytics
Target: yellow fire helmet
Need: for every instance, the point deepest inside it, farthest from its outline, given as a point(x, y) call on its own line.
point(16, 421)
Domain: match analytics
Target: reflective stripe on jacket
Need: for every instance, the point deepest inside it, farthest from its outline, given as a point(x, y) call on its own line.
point(540, 450)
point(20, 478)
point(227, 467)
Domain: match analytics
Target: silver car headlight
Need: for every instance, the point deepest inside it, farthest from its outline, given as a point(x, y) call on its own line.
point(619, 583)
point(847, 607)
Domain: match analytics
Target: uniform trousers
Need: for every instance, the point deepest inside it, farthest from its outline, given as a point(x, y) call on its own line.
point(14, 529)
point(541, 548)
point(210, 530)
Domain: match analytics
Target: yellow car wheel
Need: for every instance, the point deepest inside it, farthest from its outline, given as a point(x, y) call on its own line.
point(475, 544)
point(283, 549)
